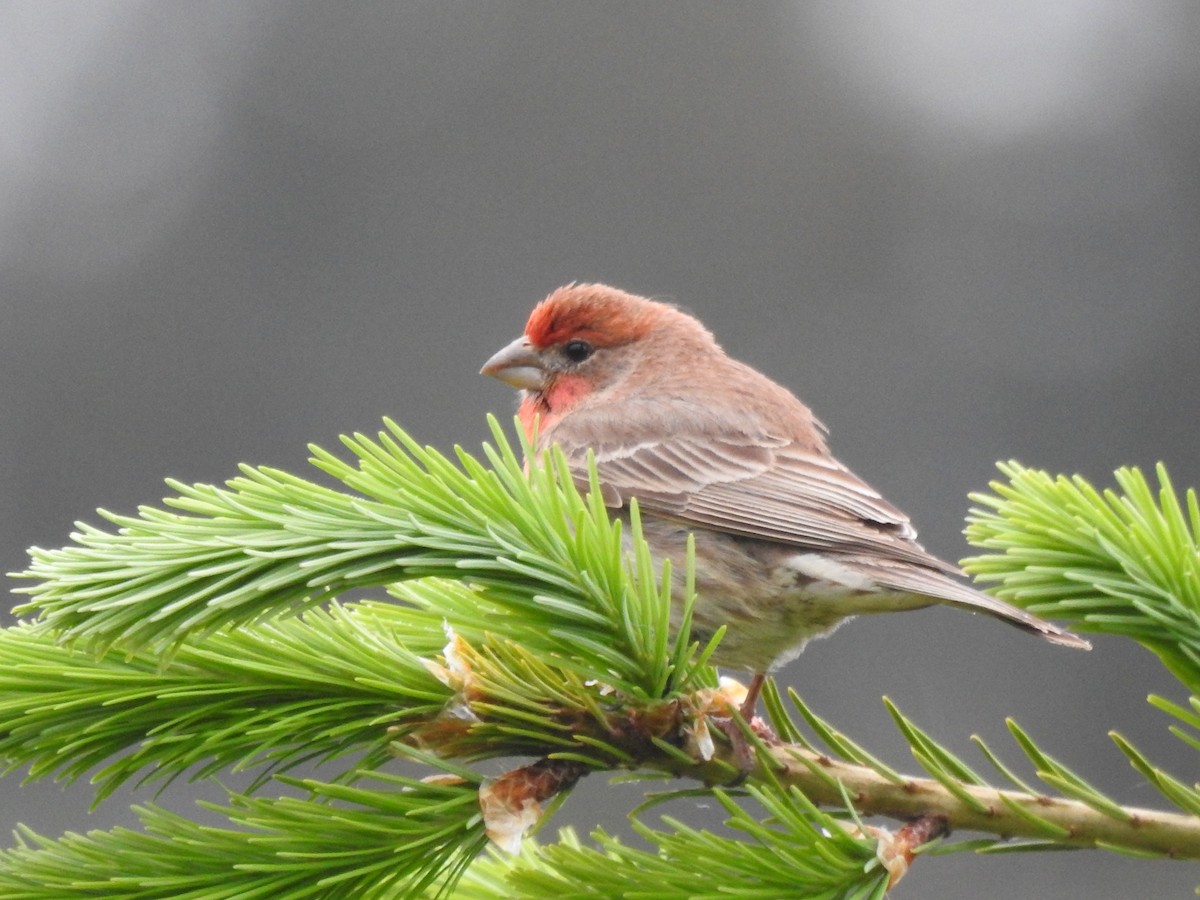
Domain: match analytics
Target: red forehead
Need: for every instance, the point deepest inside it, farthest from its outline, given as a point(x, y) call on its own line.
point(604, 317)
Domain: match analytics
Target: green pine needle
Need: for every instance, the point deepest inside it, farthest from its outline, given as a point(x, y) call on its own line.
point(208, 636)
point(319, 686)
point(1117, 563)
point(780, 845)
point(339, 841)
point(270, 544)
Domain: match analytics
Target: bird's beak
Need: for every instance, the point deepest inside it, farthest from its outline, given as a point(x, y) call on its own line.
point(518, 365)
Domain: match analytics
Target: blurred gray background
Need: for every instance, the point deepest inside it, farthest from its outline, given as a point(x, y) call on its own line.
point(961, 232)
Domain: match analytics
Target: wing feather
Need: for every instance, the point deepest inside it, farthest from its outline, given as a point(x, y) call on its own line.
point(751, 483)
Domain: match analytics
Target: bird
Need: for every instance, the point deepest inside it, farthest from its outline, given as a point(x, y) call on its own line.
point(789, 543)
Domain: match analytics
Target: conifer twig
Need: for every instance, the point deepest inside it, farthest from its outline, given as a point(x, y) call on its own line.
point(525, 626)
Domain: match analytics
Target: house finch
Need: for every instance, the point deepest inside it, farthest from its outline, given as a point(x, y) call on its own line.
point(789, 542)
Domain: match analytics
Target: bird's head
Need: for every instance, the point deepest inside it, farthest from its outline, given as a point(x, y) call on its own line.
point(590, 339)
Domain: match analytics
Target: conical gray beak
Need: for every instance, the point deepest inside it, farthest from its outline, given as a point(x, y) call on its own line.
point(518, 365)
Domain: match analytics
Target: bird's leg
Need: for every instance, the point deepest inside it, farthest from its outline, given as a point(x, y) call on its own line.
point(751, 701)
point(743, 753)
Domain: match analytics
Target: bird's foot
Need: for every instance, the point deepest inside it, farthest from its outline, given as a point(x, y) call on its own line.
point(744, 754)
point(730, 709)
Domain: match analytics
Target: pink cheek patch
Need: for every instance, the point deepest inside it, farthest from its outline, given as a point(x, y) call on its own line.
point(547, 407)
point(566, 391)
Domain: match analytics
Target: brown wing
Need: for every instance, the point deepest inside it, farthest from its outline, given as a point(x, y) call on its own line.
point(752, 484)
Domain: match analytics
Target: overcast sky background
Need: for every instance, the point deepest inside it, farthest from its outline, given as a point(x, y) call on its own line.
point(960, 232)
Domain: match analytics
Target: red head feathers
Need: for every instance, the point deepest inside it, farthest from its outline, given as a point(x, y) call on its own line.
point(597, 313)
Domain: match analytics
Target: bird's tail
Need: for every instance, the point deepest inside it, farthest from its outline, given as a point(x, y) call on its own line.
point(944, 589)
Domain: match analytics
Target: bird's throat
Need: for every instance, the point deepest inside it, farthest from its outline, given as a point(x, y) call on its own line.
point(544, 408)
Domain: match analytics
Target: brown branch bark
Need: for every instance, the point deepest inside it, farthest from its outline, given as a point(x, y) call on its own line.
point(1003, 813)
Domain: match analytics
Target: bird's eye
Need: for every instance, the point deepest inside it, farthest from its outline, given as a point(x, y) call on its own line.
point(577, 351)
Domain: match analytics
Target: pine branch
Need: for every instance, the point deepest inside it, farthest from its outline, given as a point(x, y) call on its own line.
point(1002, 813)
point(271, 696)
point(527, 624)
point(794, 848)
point(377, 842)
point(1116, 563)
point(270, 544)
point(815, 856)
